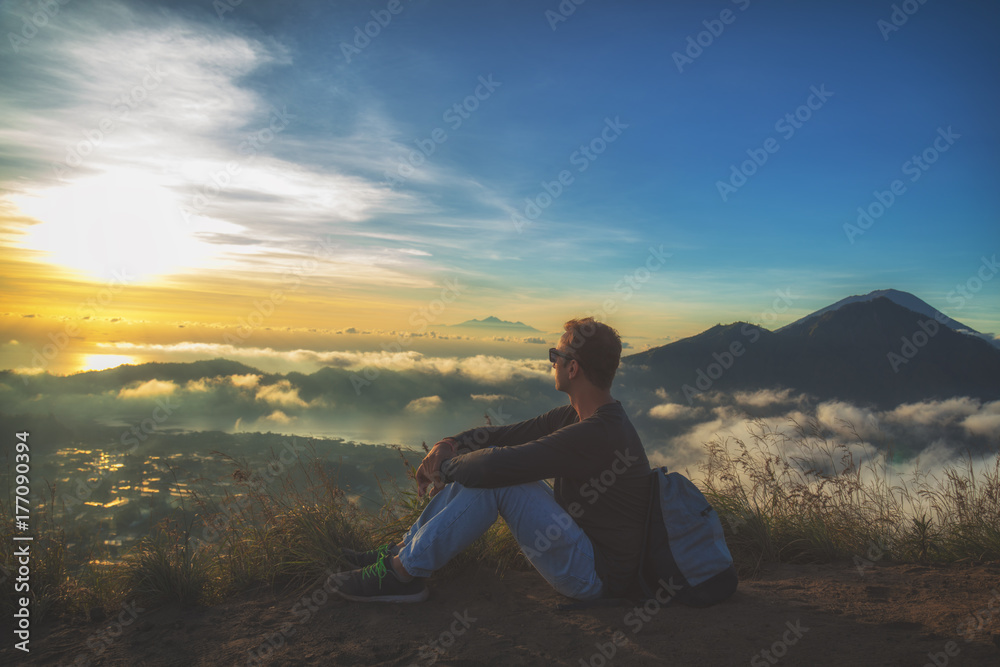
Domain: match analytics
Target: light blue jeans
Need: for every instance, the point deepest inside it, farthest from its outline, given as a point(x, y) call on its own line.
point(548, 536)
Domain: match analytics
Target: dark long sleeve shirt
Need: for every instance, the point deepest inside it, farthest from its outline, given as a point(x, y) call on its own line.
point(602, 476)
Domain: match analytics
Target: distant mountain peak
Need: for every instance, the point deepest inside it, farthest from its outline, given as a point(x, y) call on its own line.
point(493, 322)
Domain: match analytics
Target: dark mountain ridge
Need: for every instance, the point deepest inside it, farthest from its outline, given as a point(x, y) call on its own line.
point(904, 299)
point(875, 352)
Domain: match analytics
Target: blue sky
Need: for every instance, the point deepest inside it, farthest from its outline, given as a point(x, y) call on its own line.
point(341, 118)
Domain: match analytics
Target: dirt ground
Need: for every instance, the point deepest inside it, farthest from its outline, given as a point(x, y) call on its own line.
point(833, 614)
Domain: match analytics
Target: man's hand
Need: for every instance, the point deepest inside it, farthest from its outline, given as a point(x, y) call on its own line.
point(429, 472)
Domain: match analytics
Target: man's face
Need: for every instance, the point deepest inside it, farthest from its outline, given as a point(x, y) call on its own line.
point(560, 367)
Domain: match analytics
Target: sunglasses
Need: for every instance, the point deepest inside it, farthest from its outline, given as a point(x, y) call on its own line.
point(554, 353)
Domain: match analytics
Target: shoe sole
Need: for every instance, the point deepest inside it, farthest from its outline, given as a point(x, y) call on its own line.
point(412, 597)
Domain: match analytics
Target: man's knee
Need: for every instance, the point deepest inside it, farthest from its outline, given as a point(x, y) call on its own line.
point(454, 490)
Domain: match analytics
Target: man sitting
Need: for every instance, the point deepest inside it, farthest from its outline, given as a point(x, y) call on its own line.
point(592, 519)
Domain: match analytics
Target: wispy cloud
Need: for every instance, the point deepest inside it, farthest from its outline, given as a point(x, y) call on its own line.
point(152, 152)
point(281, 394)
point(424, 404)
point(673, 411)
point(147, 389)
point(490, 398)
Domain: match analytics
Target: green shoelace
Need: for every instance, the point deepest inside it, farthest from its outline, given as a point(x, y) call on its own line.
point(376, 568)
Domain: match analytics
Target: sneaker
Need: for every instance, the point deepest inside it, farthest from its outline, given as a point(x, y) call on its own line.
point(378, 583)
point(361, 559)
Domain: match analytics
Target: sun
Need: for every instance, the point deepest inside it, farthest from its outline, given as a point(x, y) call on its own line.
point(121, 226)
point(100, 362)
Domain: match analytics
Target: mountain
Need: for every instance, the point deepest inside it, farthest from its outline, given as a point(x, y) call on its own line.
point(178, 372)
point(865, 351)
point(495, 323)
point(904, 299)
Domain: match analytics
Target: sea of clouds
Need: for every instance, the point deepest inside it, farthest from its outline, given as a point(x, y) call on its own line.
point(408, 398)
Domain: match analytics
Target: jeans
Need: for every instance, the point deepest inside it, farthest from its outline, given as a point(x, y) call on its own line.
point(548, 536)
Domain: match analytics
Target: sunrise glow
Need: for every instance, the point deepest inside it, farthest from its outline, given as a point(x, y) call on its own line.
point(115, 224)
point(100, 362)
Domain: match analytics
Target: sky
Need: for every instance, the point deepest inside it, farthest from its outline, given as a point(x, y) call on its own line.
point(275, 181)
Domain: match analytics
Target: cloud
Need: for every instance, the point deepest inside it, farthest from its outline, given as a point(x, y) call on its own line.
point(846, 419)
point(934, 412)
point(486, 368)
point(398, 361)
point(766, 397)
point(491, 398)
point(200, 385)
point(687, 448)
point(247, 381)
point(533, 340)
point(282, 393)
point(929, 417)
point(34, 370)
point(425, 404)
point(279, 417)
point(494, 370)
point(672, 411)
point(148, 389)
point(986, 422)
point(483, 368)
point(929, 434)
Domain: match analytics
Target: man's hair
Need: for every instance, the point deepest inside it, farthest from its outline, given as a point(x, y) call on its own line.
point(597, 347)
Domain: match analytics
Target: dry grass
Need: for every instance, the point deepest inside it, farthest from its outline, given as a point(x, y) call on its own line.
point(798, 497)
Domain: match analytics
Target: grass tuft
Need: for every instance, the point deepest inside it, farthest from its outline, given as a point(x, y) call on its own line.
point(166, 567)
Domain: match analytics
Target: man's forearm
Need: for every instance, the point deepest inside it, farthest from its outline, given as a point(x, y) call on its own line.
point(471, 440)
point(503, 435)
point(445, 470)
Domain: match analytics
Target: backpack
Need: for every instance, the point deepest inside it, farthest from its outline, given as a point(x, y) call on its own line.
point(684, 556)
